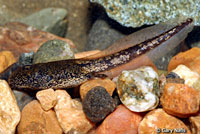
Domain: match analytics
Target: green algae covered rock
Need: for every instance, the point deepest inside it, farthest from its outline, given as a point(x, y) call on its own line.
point(53, 50)
point(135, 13)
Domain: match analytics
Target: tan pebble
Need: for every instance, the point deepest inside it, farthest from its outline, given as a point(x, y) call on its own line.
point(121, 121)
point(9, 110)
point(70, 114)
point(106, 83)
point(85, 54)
point(6, 59)
point(159, 120)
point(180, 100)
point(195, 124)
point(35, 120)
point(47, 98)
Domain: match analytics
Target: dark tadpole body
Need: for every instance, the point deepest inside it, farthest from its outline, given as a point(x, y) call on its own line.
point(71, 73)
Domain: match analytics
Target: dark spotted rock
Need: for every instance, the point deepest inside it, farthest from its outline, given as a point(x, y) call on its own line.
point(174, 78)
point(97, 104)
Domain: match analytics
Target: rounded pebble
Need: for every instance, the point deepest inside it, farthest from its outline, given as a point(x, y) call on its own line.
point(139, 89)
point(97, 104)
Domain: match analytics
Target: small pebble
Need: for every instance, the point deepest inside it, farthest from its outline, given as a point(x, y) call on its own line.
point(9, 110)
point(180, 100)
point(97, 104)
point(70, 114)
point(174, 78)
point(6, 59)
point(47, 98)
point(190, 77)
point(35, 120)
point(139, 89)
point(106, 83)
point(158, 121)
point(195, 124)
point(121, 121)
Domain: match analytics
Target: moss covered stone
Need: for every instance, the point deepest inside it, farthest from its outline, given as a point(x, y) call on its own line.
point(53, 50)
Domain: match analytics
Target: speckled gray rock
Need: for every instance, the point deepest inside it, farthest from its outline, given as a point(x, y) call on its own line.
point(53, 50)
point(51, 20)
point(134, 13)
point(97, 104)
point(101, 36)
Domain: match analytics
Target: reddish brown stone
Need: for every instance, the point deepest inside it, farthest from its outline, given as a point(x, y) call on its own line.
point(34, 120)
point(180, 100)
point(121, 121)
point(158, 121)
point(19, 38)
point(189, 58)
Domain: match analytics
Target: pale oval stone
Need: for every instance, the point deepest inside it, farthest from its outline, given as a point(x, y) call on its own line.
point(9, 110)
point(70, 114)
point(47, 98)
point(139, 89)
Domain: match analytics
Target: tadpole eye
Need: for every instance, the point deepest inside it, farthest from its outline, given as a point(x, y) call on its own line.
point(26, 67)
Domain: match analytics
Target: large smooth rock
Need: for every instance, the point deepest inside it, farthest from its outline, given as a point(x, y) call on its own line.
point(20, 38)
point(9, 110)
point(35, 120)
point(102, 35)
point(78, 12)
point(135, 13)
point(51, 20)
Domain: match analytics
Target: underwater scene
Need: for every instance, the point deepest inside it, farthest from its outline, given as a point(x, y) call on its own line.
point(99, 66)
